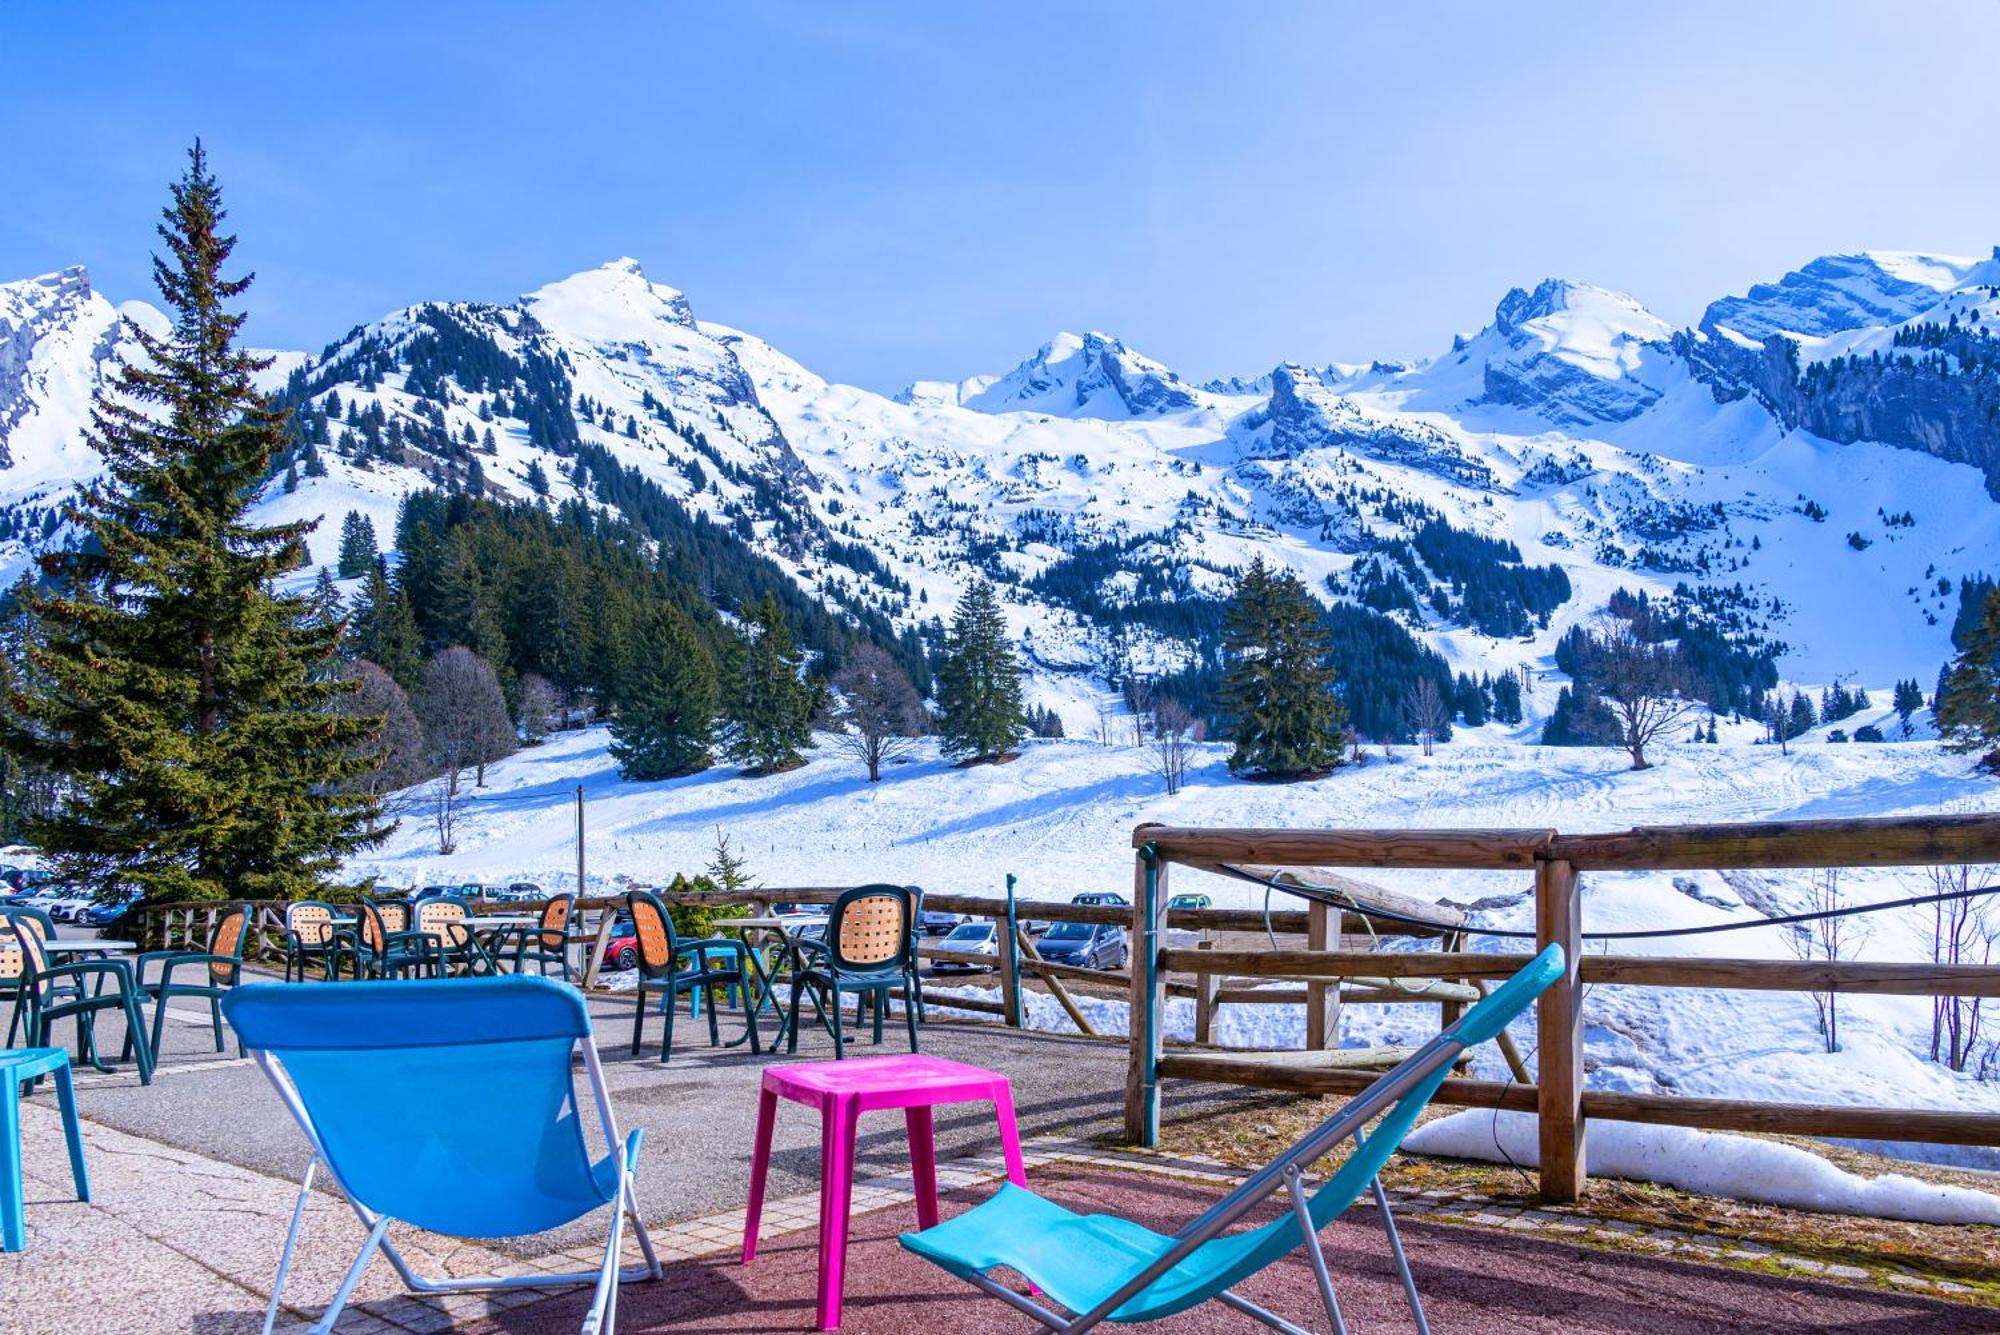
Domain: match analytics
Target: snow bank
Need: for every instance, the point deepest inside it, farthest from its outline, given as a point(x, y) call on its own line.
point(1713, 1164)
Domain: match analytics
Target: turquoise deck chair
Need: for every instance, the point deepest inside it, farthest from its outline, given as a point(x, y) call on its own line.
point(1103, 1268)
point(383, 1077)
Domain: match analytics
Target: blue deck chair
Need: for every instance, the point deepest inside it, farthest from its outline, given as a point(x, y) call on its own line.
point(1103, 1268)
point(383, 1077)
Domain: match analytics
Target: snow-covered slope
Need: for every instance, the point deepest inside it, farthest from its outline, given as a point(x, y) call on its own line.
point(1061, 817)
point(1576, 426)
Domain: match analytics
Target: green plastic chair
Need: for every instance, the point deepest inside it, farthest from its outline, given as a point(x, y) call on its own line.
point(49, 993)
point(311, 937)
point(32, 920)
point(867, 951)
point(1104, 1268)
point(380, 944)
point(206, 975)
point(546, 943)
point(669, 966)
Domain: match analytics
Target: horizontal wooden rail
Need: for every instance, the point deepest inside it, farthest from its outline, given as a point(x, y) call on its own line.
point(1915, 980)
point(1464, 850)
point(1341, 963)
point(1796, 1119)
point(1885, 841)
point(1456, 1091)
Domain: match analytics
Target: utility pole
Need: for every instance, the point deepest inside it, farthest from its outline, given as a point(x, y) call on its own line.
point(580, 891)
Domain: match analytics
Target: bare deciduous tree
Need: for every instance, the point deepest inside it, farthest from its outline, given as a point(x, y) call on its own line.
point(398, 746)
point(1958, 931)
point(1645, 685)
point(879, 714)
point(540, 707)
point(466, 727)
point(1826, 939)
point(1176, 732)
point(1427, 710)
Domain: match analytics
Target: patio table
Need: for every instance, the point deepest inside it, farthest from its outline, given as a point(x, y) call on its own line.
point(780, 926)
point(75, 946)
point(842, 1091)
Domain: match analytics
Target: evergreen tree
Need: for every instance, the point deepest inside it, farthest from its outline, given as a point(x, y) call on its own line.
point(357, 545)
point(179, 697)
point(1802, 719)
point(1278, 687)
point(979, 682)
point(773, 706)
point(1507, 698)
point(1909, 698)
point(666, 711)
point(1968, 701)
point(383, 630)
point(538, 478)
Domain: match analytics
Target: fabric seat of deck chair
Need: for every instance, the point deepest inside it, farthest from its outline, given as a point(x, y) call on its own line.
point(1080, 1261)
point(446, 1104)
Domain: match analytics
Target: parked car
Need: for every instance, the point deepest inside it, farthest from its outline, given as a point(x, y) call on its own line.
point(107, 916)
point(70, 906)
point(525, 890)
point(1184, 937)
point(622, 950)
point(1102, 898)
point(972, 937)
point(1088, 945)
point(936, 922)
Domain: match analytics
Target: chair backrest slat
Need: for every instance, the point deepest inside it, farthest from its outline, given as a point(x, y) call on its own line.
point(653, 926)
point(870, 928)
point(555, 922)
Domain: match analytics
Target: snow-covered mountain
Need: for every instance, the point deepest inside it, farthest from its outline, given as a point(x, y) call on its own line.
point(1105, 494)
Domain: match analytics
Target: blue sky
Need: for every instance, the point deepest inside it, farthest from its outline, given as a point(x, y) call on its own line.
point(896, 191)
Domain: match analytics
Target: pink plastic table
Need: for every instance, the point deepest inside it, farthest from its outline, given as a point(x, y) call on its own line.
point(842, 1091)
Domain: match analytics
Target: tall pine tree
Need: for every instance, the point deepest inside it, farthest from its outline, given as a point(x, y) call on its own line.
point(1968, 698)
point(180, 699)
point(667, 700)
point(357, 545)
point(1278, 686)
point(773, 705)
point(979, 682)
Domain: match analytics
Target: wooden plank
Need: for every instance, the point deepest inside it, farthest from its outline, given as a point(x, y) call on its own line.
point(1322, 1001)
point(1442, 849)
point(1798, 1119)
point(1331, 1059)
point(1924, 980)
point(1054, 981)
point(957, 1003)
point(1309, 964)
point(1362, 895)
point(1883, 841)
point(1559, 1034)
point(1286, 922)
point(1456, 1091)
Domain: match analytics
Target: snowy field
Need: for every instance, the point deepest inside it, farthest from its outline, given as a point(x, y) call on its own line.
point(1061, 818)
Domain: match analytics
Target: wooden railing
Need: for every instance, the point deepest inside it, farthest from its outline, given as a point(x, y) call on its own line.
point(1556, 862)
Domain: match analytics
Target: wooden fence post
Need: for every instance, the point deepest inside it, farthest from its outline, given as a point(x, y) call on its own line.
point(1142, 1070)
point(1559, 1030)
point(1322, 996)
point(1205, 986)
point(1010, 971)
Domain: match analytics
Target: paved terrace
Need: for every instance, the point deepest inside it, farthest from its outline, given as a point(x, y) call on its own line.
point(195, 1177)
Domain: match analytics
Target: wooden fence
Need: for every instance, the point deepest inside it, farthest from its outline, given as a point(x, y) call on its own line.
point(1555, 862)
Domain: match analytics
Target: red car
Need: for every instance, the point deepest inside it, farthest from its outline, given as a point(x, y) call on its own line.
point(622, 951)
